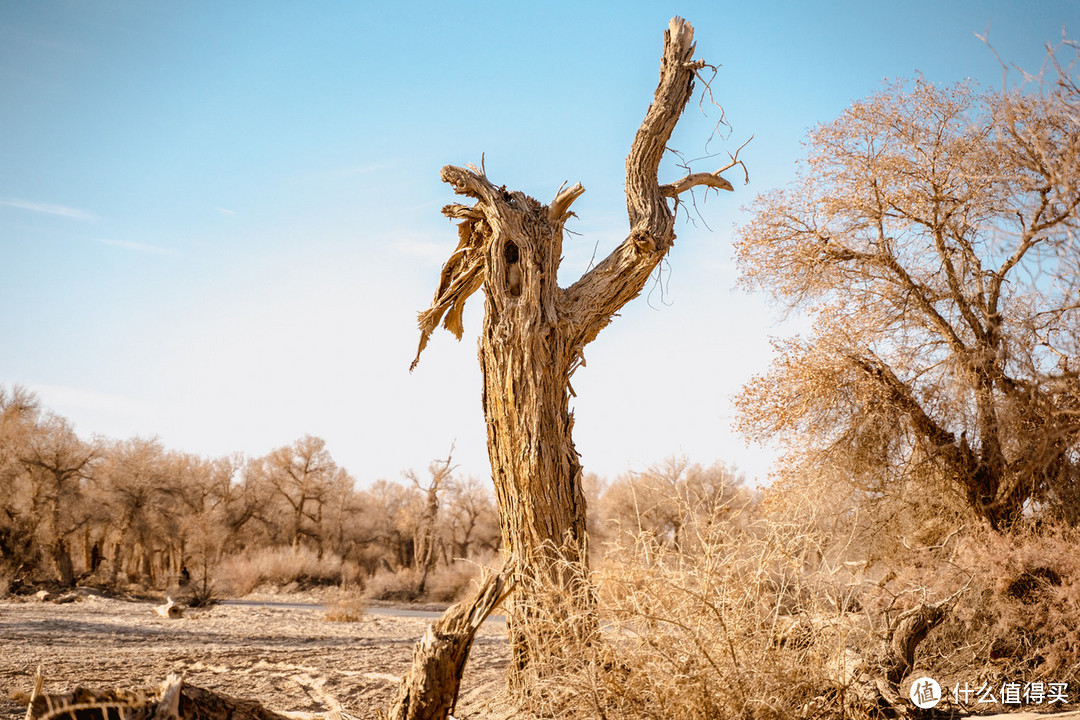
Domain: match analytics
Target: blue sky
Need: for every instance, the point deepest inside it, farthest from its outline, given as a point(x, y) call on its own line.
point(218, 220)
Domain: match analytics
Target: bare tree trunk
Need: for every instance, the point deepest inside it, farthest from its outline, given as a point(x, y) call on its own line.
point(533, 339)
point(424, 539)
point(65, 569)
point(146, 563)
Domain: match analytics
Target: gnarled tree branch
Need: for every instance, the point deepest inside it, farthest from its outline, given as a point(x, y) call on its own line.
point(693, 180)
point(590, 303)
point(560, 206)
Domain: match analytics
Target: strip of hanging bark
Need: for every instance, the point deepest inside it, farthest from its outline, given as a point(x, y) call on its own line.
point(429, 691)
point(174, 700)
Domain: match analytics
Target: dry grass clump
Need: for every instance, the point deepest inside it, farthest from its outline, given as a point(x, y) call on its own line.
point(349, 605)
point(445, 583)
point(296, 568)
point(738, 620)
point(786, 608)
point(734, 628)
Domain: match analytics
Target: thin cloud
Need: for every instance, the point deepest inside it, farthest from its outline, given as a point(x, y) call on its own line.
point(225, 211)
point(138, 247)
point(48, 209)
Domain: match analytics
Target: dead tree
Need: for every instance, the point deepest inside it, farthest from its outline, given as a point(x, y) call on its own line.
point(424, 538)
point(535, 332)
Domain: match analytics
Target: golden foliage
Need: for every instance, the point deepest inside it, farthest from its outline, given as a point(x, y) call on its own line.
point(932, 236)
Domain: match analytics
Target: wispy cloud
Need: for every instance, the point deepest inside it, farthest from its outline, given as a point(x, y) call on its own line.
point(139, 247)
point(48, 209)
point(225, 211)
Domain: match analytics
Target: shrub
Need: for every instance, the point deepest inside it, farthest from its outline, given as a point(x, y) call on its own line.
point(444, 584)
point(450, 583)
point(300, 567)
point(739, 626)
point(350, 605)
point(1019, 620)
point(393, 586)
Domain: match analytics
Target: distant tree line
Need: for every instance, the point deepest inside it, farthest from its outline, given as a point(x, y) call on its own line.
point(121, 512)
point(133, 511)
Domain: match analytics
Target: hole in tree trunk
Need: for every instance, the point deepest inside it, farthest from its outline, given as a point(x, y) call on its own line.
point(513, 268)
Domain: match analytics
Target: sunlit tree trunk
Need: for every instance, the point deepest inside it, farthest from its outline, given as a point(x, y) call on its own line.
point(527, 357)
point(533, 338)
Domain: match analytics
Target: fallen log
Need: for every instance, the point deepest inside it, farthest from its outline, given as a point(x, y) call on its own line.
point(173, 700)
point(169, 610)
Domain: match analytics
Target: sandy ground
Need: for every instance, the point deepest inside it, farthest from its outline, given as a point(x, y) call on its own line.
point(279, 650)
point(287, 656)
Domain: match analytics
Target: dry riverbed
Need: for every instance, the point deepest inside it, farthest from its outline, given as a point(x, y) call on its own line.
point(282, 652)
point(277, 649)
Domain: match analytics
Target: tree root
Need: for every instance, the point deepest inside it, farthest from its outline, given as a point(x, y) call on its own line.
point(873, 680)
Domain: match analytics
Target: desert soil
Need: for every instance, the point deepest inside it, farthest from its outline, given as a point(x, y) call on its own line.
point(286, 655)
point(279, 650)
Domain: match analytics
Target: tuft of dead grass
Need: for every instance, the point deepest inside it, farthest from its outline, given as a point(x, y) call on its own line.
point(789, 608)
point(349, 605)
point(727, 623)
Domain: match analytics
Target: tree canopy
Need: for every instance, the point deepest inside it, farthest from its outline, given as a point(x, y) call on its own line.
point(932, 236)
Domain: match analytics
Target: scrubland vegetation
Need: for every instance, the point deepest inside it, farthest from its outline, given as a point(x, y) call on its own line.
point(714, 599)
point(133, 515)
point(922, 521)
point(792, 603)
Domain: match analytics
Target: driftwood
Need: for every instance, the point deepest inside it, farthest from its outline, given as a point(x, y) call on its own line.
point(174, 700)
point(170, 610)
point(429, 691)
